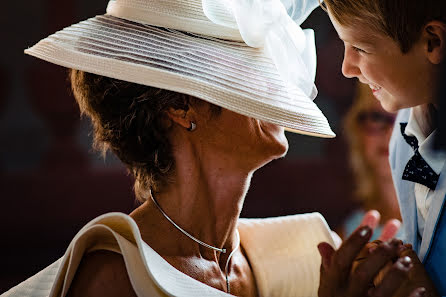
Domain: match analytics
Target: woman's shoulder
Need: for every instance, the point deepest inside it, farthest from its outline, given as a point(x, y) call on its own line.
point(93, 261)
point(97, 260)
point(101, 273)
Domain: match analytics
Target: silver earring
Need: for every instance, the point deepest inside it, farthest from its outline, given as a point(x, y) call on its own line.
point(192, 127)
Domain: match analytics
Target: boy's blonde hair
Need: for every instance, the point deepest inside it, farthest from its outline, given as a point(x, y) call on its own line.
point(402, 20)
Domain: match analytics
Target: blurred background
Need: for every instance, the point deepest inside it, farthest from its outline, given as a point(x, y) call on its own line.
point(51, 183)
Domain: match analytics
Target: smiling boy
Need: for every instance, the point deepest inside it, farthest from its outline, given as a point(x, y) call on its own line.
point(397, 48)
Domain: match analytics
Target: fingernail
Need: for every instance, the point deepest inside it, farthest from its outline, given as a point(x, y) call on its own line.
point(372, 249)
point(420, 292)
point(406, 261)
point(365, 231)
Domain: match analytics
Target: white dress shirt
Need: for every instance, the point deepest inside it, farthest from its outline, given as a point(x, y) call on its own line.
point(423, 195)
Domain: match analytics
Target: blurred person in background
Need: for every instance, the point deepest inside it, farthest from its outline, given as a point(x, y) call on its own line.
point(368, 128)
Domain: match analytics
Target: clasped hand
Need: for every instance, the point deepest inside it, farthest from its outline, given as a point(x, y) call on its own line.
point(385, 267)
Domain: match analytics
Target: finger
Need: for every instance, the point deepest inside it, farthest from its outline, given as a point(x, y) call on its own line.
point(418, 274)
point(343, 258)
point(393, 279)
point(368, 269)
point(368, 248)
point(406, 252)
point(326, 251)
point(373, 245)
point(325, 285)
point(419, 292)
point(371, 219)
point(390, 229)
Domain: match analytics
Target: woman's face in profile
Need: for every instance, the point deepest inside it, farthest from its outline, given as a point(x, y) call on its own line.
point(252, 142)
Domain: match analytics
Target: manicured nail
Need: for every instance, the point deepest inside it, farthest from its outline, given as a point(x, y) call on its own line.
point(404, 264)
point(406, 261)
point(365, 231)
point(420, 292)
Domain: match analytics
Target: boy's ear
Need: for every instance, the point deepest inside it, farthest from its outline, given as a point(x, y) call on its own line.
point(434, 36)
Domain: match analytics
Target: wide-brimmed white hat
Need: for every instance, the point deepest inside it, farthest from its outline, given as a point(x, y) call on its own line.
point(248, 56)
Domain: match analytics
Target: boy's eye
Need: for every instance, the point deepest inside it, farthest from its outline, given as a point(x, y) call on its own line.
point(358, 49)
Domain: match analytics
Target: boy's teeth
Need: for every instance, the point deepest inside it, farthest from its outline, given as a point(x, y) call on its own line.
point(374, 88)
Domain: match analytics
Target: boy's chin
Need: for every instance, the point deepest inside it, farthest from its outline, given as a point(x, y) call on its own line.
point(389, 103)
point(389, 107)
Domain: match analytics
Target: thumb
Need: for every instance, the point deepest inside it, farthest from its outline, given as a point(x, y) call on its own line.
point(326, 251)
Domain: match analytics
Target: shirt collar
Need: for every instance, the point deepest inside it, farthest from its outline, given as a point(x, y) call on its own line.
point(435, 159)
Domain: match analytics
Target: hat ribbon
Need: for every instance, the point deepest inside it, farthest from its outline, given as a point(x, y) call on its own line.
point(267, 24)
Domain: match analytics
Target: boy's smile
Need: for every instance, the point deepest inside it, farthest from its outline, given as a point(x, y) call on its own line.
point(398, 80)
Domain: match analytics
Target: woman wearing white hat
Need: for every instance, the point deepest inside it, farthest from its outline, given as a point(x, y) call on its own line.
point(192, 97)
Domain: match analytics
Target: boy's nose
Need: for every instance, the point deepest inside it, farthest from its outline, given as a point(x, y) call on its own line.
point(349, 65)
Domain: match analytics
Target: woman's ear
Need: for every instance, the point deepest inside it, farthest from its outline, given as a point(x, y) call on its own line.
point(180, 117)
point(434, 37)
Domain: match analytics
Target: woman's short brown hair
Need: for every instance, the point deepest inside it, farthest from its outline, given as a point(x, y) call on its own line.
point(402, 20)
point(130, 120)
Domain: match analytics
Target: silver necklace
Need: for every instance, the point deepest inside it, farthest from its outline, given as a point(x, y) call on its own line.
point(203, 243)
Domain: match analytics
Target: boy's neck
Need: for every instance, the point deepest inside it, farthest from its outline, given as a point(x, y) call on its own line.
point(426, 116)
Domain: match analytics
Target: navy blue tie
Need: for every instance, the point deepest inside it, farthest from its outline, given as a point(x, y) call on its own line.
point(417, 170)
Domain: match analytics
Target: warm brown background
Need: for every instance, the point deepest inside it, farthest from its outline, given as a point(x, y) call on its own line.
point(51, 184)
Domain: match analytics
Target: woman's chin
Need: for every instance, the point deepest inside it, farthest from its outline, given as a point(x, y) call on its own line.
point(282, 147)
point(277, 141)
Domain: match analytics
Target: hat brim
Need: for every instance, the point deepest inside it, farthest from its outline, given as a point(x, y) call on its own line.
point(226, 73)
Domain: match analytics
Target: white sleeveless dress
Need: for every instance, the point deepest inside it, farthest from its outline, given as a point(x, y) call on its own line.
point(282, 252)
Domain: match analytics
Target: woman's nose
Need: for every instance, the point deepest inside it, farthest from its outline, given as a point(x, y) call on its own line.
point(349, 65)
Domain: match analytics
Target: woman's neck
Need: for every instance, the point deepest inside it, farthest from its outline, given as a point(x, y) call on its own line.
point(205, 198)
